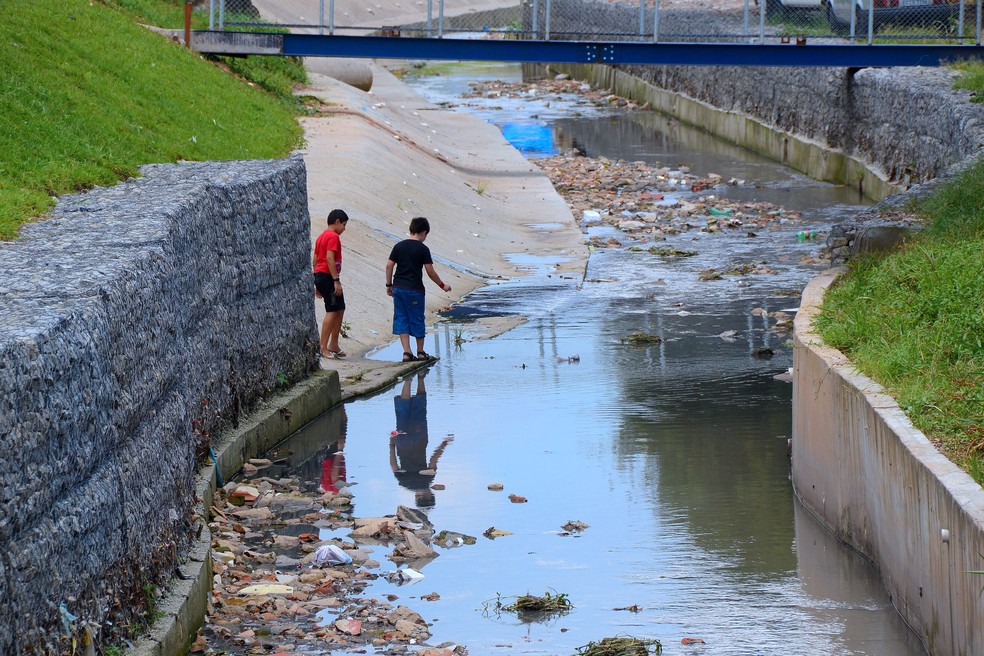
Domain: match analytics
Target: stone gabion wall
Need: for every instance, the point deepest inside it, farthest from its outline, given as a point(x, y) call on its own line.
point(907, 124)
point(135, 321)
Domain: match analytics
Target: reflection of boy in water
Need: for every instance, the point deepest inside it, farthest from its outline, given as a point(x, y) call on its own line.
point(333, 468)
point(333, 464)
point(409, 443)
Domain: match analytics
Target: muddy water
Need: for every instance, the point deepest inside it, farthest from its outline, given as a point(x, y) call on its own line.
point(673, 454)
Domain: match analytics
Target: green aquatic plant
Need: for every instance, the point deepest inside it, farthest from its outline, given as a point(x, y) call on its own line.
point(639, 338)
point(621, 646)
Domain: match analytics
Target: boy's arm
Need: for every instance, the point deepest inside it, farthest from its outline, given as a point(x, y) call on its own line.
point(333, 271)
point(432, 274)
point(389, 276)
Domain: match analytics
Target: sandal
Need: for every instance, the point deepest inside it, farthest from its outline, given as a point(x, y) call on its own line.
point(338, 355)
point(408, 357)
point(423, 356)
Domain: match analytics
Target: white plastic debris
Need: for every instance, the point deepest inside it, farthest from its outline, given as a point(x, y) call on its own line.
point(406, 575)
point(332, 555)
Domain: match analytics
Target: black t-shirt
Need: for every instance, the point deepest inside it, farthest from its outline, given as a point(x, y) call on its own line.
point(410, 256)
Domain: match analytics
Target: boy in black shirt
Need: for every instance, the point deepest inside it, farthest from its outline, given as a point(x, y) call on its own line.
point(410, 258)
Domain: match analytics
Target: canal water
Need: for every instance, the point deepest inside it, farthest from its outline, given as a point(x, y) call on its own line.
point(655, 476)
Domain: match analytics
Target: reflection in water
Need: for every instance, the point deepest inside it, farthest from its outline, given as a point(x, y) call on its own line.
point(333, 467)
point(408, 443)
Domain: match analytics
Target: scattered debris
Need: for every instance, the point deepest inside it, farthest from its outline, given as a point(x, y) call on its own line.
point(669, 251)
point(640, 337)
point(515, 498)
point(574, 526)
point(450, 539)
point(529, 603)
point(621, 646)
point(493, 533)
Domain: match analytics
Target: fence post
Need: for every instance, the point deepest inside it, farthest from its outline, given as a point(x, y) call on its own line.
point(546, 23)
point(440, 20)
point(762, 21)
point(745, 21)
point(536, 19)
point(978, 22)
point(430, 18)
point(642, 18)
point(221, 14)
point(331, 17)
point(656, 23)
point(321, 17)
point(871, 21)
point(188, 24)
point(211, 14)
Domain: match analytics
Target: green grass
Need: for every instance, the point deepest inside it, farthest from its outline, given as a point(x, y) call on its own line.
point(914, 320)
point(972, 78)
point(87, 95)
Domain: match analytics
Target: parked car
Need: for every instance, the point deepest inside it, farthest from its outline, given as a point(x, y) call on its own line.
point(938, 14)
point(782, 7)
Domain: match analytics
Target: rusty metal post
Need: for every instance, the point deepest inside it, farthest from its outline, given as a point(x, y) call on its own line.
point(188, 24)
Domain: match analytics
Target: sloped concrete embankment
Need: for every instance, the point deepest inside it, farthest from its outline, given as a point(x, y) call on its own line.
point(136, 322)
point(880, 130)
point(884, 489)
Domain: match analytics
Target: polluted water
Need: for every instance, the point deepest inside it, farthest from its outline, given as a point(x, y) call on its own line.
point(617, 442)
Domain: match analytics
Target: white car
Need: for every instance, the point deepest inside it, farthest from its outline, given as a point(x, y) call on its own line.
point(903, 13)
point(779, 7)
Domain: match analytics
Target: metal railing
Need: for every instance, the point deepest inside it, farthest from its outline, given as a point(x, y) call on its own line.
point(869, 22)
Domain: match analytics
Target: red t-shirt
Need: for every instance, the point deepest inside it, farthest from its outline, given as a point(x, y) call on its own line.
point(327, 241)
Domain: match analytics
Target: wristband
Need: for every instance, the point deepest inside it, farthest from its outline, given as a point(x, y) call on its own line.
point(389, 284)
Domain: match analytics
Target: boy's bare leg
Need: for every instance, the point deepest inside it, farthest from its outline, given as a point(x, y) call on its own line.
point(325, 332)
point(334, 321)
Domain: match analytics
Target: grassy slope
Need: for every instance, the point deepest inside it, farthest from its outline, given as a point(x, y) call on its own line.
point(914, 321)
point(87, 95)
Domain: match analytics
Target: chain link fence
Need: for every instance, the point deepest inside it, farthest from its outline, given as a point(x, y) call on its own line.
point(657, 21)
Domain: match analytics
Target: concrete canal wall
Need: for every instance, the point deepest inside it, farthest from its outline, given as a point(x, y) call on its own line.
point(883, 488)
point(136, 322)
point(881, 130)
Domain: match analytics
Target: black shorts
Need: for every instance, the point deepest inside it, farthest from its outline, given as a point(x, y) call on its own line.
point(324, 283)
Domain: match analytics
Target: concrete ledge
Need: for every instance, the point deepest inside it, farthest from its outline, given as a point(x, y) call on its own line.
point(881, 486)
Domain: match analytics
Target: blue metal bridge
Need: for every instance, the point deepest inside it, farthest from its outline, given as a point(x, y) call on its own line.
point(832, 33)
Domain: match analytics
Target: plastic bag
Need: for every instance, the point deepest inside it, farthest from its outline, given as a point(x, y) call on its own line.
point(332, 555)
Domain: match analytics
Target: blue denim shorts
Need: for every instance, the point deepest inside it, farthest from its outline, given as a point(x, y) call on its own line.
point(408, 312)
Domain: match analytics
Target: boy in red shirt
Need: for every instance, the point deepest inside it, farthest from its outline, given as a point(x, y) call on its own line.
point(327, 264)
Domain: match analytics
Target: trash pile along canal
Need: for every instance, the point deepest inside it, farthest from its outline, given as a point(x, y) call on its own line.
point(280, 588)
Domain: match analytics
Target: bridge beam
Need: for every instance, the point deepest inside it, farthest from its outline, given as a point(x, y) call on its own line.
point(583, 52)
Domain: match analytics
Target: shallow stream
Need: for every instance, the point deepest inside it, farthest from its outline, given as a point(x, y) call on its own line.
point(674, 454)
